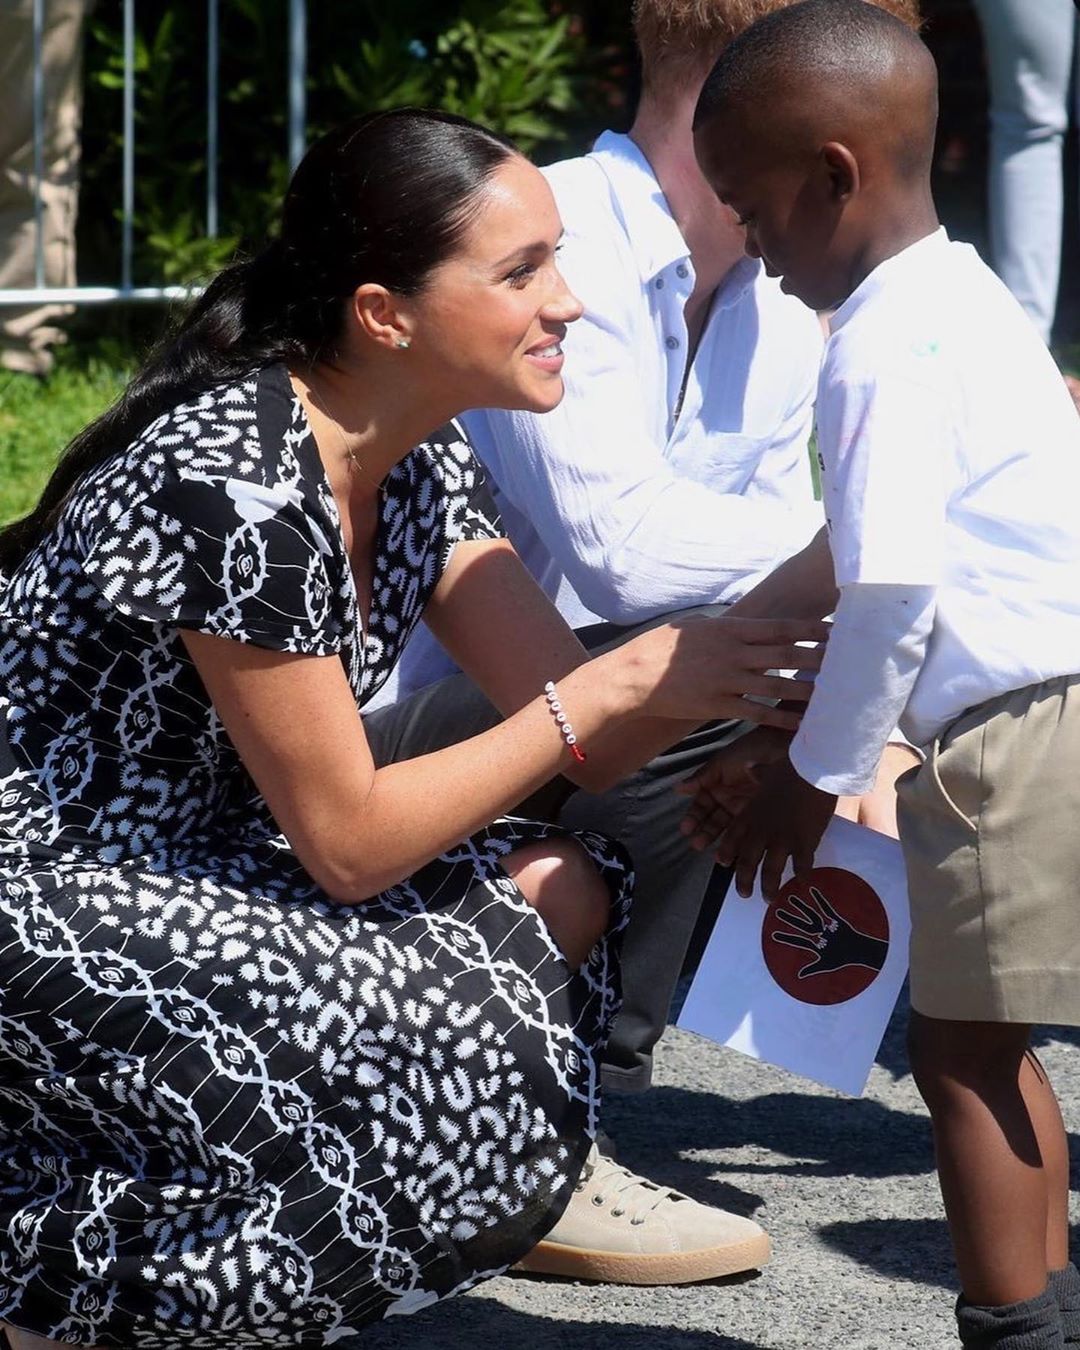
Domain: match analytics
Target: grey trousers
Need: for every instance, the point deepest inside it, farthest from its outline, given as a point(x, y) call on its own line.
point(1032, 55)
point(642, 812)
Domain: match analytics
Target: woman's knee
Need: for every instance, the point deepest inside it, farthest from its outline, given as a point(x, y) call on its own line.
point(560, 880)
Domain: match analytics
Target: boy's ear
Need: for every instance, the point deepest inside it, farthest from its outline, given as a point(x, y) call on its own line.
point(379, 315)
point(843, 170)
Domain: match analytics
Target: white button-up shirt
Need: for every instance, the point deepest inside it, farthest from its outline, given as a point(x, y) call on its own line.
point(652, 487)
point(636, 496)
point(951, 462)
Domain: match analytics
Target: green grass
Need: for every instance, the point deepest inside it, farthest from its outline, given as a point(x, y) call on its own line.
point(39, 417)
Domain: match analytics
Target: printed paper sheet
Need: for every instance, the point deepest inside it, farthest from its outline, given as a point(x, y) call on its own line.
point(809, 983)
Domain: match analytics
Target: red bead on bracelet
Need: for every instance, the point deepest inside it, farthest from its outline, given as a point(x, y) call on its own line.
point(556, 710)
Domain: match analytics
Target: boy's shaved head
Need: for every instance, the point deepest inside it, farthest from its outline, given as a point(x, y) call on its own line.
point(829, 70)
point(680, 39)
point(816, 126)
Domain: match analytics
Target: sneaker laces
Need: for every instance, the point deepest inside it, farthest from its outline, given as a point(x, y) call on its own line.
point(628, 1190)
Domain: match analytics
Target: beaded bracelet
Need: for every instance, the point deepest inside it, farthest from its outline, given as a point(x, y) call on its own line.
point(556, 710)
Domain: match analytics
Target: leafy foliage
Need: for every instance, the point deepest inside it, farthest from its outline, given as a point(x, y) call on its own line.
point(518, 66)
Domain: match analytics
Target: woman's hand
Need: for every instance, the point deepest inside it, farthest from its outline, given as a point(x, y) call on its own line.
point(722, 787)
point(701, 667)
point(785, 820)
point(503, 632)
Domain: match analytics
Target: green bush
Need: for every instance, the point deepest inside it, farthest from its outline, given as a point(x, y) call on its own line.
point(516, 65)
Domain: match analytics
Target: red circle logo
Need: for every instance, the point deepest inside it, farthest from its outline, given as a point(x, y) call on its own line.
point(826, 936)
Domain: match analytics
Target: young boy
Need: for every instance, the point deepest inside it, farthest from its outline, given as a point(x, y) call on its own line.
point(951, 458)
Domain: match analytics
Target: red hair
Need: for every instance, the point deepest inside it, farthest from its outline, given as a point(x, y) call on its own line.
point(680, 39)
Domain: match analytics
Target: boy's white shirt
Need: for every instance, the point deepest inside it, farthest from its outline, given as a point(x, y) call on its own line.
point(856, 704)
point(951, 475)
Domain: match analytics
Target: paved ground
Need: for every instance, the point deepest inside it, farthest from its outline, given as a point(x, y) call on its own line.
point(846, 1189)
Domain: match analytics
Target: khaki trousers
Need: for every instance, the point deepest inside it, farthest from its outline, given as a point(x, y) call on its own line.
point(989, 829)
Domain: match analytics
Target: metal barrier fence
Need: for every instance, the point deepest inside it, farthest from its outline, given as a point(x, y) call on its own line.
point(297, 70)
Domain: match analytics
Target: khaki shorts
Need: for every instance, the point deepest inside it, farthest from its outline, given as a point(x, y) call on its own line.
point(990, 826)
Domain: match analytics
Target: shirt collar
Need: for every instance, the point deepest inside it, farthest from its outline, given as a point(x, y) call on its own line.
point(654, 236)
point(736, 282)
point(915, 257)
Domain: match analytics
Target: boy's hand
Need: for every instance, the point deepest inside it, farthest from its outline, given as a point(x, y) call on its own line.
point(785, 820)
point(722, 787)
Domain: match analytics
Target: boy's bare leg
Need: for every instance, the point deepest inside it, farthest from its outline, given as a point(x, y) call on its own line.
point(1045, 1116)
point(988, 1106)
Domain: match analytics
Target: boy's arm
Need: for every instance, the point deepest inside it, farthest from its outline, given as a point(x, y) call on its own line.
point(887, 432)
point(876, 649)
point(874, 656)
point(803, 586)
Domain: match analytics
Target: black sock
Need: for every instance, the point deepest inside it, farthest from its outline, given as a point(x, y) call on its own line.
point(1034, 1324)
point(1065, 1287)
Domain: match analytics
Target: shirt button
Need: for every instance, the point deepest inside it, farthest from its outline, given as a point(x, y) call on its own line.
point(682, 270)
point(671, 343)
point(659, 283)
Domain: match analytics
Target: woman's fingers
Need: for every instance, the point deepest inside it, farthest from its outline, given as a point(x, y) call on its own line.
point(779, 656)
point(714, 662)
point(740, 654)
point(765, 715)
point(778, 631)
point(783, 658)
point(777, 686)
point(754, 644)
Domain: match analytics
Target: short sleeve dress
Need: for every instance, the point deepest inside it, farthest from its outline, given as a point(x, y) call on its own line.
point(233, 1113)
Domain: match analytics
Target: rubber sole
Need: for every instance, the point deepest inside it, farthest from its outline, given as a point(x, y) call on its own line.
point(708, 1263)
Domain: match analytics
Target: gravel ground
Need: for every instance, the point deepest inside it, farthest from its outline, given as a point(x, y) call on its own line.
point(846, 1188)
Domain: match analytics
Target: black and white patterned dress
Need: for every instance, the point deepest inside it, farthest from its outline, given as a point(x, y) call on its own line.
point(232, 1113)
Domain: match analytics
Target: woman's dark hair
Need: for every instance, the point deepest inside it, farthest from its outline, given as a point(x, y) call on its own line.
point(384, 198)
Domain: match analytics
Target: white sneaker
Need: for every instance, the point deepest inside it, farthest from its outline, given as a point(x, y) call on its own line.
point(621, 1229)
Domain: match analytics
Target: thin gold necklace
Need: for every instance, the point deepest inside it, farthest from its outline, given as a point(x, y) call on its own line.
point(350, 454)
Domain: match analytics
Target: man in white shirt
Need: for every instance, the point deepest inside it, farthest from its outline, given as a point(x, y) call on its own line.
point(674, 474)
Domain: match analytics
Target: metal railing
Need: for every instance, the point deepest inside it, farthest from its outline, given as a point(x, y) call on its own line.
point(297, 69)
